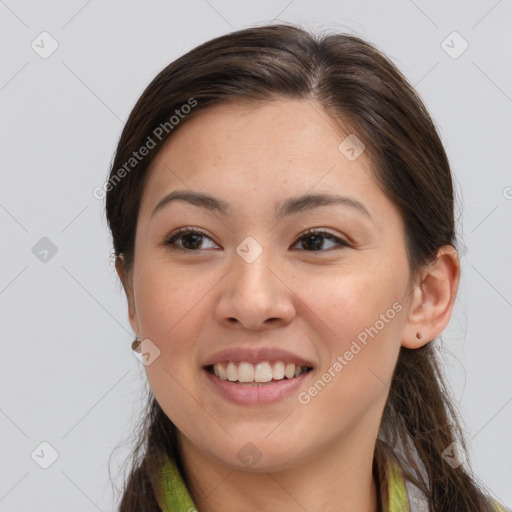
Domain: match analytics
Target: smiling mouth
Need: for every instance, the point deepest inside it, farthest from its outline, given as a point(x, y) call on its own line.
point(264, 372)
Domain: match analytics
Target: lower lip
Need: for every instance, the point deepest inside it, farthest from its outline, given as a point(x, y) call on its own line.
point(245, 394)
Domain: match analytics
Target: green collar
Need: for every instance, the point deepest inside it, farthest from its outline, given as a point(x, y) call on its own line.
point(176, 498)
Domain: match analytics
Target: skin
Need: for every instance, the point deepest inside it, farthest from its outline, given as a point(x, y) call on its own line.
point(192, 304)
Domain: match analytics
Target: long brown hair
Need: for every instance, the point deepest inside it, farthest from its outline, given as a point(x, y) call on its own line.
point(353, 82)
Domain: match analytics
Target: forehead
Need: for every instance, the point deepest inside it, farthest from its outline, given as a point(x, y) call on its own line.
point(253, 129)
point(258, 152)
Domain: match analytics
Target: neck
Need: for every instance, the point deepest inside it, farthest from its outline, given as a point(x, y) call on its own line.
point(338, 479)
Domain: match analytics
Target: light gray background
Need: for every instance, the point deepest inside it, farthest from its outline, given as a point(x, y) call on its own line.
point(68, 376)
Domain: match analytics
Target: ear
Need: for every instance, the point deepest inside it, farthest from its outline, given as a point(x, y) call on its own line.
point(126, 280)
point(433, 299)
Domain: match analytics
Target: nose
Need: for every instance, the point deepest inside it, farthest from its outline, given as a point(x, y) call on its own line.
point(256, 295)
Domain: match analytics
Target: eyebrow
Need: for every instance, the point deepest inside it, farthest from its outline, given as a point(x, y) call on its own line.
point(291, 206)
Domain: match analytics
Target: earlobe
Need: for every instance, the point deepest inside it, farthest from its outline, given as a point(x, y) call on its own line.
point(433, 299)
point(120, 267)
point(124, 278)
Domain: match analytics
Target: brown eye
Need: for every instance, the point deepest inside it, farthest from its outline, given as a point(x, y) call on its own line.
point(314, 240)
point(188, 240)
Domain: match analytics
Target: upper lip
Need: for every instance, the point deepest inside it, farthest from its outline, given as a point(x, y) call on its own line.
point(255, 356)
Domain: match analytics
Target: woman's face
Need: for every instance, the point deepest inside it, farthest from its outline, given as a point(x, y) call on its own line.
point(252, 293)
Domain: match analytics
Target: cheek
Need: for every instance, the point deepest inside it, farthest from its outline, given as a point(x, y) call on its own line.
point(171, 313)
point(363, 318)
point(360, 357)
point(168, 298)
point(170, 385)
point(351, 302)
point(171, 309)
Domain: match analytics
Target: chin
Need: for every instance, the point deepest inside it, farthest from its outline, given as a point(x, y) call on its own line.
point(260, 455)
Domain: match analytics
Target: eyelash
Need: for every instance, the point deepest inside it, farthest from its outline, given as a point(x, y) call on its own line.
point(170, 242)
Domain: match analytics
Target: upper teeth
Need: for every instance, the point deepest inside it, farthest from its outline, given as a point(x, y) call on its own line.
point(261, 372)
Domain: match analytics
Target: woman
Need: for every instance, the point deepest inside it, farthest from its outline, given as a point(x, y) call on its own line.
point(281, 209)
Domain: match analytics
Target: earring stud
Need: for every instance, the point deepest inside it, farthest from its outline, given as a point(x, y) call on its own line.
point(418, 335)
point(135, 344)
